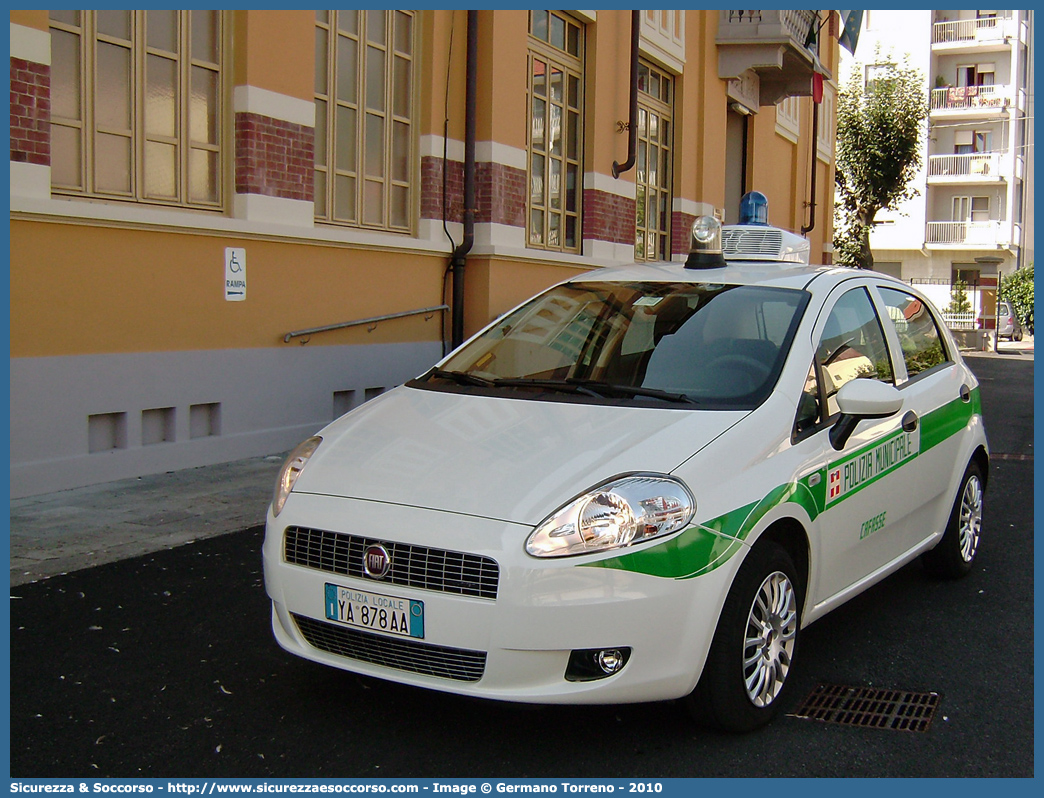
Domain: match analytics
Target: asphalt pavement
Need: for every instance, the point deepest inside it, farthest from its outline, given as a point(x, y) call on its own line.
point(135, 653)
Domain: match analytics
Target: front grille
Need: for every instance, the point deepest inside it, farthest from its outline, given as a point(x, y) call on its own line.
point(900, 710)
point(412, 566)
point(405, 655)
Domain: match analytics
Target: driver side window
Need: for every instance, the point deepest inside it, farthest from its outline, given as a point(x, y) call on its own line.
point(852, 347)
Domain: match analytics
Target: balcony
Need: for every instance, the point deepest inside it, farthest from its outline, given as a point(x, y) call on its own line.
point(972, 100)
point(974, 35)
point(767, 48)
point(972, 235)
point(976, 167)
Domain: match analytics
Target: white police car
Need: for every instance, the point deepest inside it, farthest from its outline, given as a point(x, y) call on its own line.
point(639, 485)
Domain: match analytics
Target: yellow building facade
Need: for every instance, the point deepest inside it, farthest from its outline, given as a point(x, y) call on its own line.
point(194, 194)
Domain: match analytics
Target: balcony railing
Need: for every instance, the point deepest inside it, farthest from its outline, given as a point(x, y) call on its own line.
point(973, 166)
point(766, 25)
point(958, 98)
point(972, 234)
point(960, 321)
point(972, 31)
point(770, 44)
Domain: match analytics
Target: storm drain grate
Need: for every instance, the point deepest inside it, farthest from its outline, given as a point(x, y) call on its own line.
point(899, 710)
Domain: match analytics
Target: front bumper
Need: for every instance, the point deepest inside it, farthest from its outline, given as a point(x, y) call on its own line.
point(515, 647)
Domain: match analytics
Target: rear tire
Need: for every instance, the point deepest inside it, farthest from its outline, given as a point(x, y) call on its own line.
point(746, 677)
point(955, 554)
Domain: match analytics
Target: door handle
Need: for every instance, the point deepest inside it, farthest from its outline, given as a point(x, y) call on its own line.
point(910, 421)
point(965, 394)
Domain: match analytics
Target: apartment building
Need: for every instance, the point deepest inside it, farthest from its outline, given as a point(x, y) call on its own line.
point(228, 228)
point(973, 218)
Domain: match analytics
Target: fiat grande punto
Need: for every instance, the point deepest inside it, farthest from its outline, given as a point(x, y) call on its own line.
point(640, 485)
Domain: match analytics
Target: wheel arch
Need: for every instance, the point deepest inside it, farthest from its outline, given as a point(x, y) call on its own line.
point(982, 460)
point(789, 534)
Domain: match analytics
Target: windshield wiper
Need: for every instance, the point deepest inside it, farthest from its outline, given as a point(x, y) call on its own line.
point(461, 378)
point(631, 390)
point(595, 388)
point(553, 385)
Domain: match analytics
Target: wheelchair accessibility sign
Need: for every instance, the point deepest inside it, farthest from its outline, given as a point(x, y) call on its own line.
point(235, 274)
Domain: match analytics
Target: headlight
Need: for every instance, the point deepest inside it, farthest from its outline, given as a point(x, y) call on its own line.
point(620, 513)
point(291, 470)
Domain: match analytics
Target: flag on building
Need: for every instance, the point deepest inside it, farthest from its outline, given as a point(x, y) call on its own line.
point(851, 22)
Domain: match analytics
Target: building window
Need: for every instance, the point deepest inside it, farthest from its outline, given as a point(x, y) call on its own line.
point(985, 19)
point(976, 75)
point(892, 268)
point(876, 72)
point(968, 141)
point(788, 121)
point(364, 118)
point(969, 275)
point(653, 175)
point(971, 209)
point(826, 135)
point(554, 99)
point(137, 102)
point(663, 37)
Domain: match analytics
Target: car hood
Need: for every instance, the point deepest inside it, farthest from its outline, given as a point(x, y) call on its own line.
point(511, 459)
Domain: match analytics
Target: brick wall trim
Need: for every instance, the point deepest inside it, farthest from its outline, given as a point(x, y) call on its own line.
point(30, 112)
point(274, 158)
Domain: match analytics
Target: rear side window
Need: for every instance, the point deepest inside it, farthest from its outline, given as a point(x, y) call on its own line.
point(919, 335)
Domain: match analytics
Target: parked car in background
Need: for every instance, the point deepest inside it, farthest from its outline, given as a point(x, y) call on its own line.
point(1008, 325)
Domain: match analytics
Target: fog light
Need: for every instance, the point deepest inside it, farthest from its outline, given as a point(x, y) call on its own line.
point(610, 660)
point(589, 664)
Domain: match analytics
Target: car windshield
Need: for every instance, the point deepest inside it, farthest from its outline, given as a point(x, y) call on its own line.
point(710, 345)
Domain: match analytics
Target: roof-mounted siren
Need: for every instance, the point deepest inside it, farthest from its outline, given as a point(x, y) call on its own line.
point(754, 239)
point(754, 208)
point(705, 249)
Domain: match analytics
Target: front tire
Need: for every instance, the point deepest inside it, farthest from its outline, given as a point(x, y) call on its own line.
point(745, 678)
point(955, 554)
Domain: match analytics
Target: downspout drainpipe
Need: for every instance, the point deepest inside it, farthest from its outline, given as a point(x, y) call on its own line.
point(632, 121)
point(815, 158)
point(459, 256)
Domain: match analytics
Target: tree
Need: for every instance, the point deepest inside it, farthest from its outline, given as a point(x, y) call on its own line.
point(959, 302)
point(1017, 288)
point(880, 134)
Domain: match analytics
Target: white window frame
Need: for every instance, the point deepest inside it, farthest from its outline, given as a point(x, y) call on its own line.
point(788, 118)
point(827, 119)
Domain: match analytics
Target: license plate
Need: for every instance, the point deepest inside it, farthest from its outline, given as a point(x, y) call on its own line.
point(374, 611)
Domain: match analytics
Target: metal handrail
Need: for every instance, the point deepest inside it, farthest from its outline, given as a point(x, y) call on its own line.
point(372, 321)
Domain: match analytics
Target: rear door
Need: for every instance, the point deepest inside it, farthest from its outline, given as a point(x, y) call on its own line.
point(936, 399)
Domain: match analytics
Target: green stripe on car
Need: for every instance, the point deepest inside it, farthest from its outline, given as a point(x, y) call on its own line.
point(702, 548)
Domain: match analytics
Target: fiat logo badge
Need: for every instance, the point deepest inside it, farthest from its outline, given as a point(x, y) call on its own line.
point(376, 561)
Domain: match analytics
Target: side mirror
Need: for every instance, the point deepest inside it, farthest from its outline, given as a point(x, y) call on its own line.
point(859, 399)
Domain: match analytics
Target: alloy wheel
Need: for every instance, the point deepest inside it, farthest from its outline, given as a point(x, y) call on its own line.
point(768, 646)
point(970, 522)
